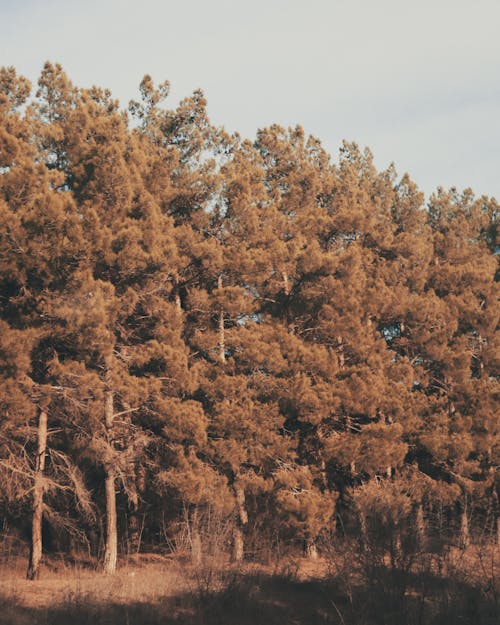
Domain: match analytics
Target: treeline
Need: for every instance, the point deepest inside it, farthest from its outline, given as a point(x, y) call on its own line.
point(197, 327)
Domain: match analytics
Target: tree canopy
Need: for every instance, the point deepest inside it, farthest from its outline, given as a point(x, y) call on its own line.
point(211, 327)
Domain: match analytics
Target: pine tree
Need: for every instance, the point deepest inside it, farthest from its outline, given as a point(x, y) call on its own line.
point(193, 324)
point(40, 251)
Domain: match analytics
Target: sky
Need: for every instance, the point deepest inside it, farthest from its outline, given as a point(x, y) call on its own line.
point(417, 82)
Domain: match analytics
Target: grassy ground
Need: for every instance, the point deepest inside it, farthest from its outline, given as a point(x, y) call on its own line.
point(169, 591)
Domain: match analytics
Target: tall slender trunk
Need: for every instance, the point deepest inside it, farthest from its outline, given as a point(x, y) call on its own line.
point(464, 529)
point(395, 546)
point(323, 475)
point(286, 283)
point(177, 294)
point(363, 530)
point(287, 290)
point(194, 529)
point(111, 545)
point(310, 548)
point(133, 533)
point(222, 342)
point(38, 490)
point(340, 351)
point(241, 521)
point(238, 544)
point(222, 339)
point(420, 527)
point(136, 520)
point(496, 509)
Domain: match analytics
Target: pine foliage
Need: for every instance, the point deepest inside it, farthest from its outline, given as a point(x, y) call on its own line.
point(247, 331)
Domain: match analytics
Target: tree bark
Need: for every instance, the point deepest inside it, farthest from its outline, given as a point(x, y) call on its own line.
point(287, 291)
point(241, 521)
point(310, 549)
point(194, 530)
point(340, 351)
point(497, 516)
point(420, 527)
point(238, 544)
point(395, 547)
point(286, 284)
point(136, 520)
point(222, 338)
point(363, 530)
point(38, 490)
point(111, 545)
point(464, 529)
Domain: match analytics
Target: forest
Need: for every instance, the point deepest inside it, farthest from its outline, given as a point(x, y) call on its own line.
point(206, 339)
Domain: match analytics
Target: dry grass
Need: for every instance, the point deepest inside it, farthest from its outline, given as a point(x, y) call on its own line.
point(142, 581)
point(154, 590)
point(159, 590)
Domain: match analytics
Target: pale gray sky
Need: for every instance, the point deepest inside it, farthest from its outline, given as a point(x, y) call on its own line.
point(418, 82)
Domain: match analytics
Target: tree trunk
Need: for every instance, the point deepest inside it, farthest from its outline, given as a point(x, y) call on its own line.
point(222, 339)
point(196, 552)
point(310, 549)
point(238, 544)
point(395, 547)
point(111, 545)
point(340, 351)
point(38, 490)
point(241, 521)
point(363, 530)
point(287, 291)
point(136, 527)
point(195, 538)
point(286, 284)
point(464, 530)
point(177, 295)
point(324, 477)
point(420, 527)
point(497, 519)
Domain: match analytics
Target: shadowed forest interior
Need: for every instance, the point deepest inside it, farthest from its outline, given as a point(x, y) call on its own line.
point(279, 369)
